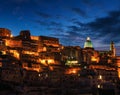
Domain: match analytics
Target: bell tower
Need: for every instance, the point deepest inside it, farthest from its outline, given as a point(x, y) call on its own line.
point(112, 49)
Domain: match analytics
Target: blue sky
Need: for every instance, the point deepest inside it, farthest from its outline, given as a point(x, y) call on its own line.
point(69, 20)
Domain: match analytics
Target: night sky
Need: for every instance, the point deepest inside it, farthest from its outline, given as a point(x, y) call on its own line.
point(69, 20)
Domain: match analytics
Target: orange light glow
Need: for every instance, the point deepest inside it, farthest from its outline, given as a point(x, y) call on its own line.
point(118, 65)
point(13, 43)
point(15, 53)
point(44, 49)
point(35, 67)
point(4, 52)
point(119, 72)
point(43, 61)
point(47, 61)
point(51, 68)
point(95, 59)
point(50, 61)
point(72, 71)
point(0, 63)
point(11, 35)
point(30, 53)
point(34, 37)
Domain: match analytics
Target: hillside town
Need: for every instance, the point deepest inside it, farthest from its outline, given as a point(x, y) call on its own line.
point(41, 65)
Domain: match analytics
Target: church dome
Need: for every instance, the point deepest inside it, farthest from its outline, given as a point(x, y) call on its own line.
point(88, 43)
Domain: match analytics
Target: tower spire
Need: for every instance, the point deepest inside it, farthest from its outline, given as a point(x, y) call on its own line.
point(112, 49)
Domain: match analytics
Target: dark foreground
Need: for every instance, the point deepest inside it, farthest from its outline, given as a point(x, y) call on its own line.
point(53, 88)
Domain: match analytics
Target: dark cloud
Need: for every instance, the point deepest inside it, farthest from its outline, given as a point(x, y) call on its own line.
point(107, 27)
point(70, 38)
point(79, 27)
point(101, 30)
point(115, 14)
point(43, 15)
point(73, 35)
point(79, 12)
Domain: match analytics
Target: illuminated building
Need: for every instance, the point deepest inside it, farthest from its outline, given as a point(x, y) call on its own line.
point(112, 49)
point(5, 33)
point(9, 44)
point(103, 62)
point(3, 47)
point(73, 71)
point(32, 51)
point(71, 55)
point(37, 53)
point(11, 70)
point(93, 56)
point(39, 50)
point(108, 56)
point(49, 41)
point(118, 65)
point(89, 54)
point(88, 43)
point(50, 49)
point(29, 49)
point(13, 46)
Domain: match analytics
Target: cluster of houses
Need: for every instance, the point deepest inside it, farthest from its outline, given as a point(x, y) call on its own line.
point(27, 58)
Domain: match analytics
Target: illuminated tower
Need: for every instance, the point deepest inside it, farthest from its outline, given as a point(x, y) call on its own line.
point(88, 51)
point(88, 43)
point(112, 49)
